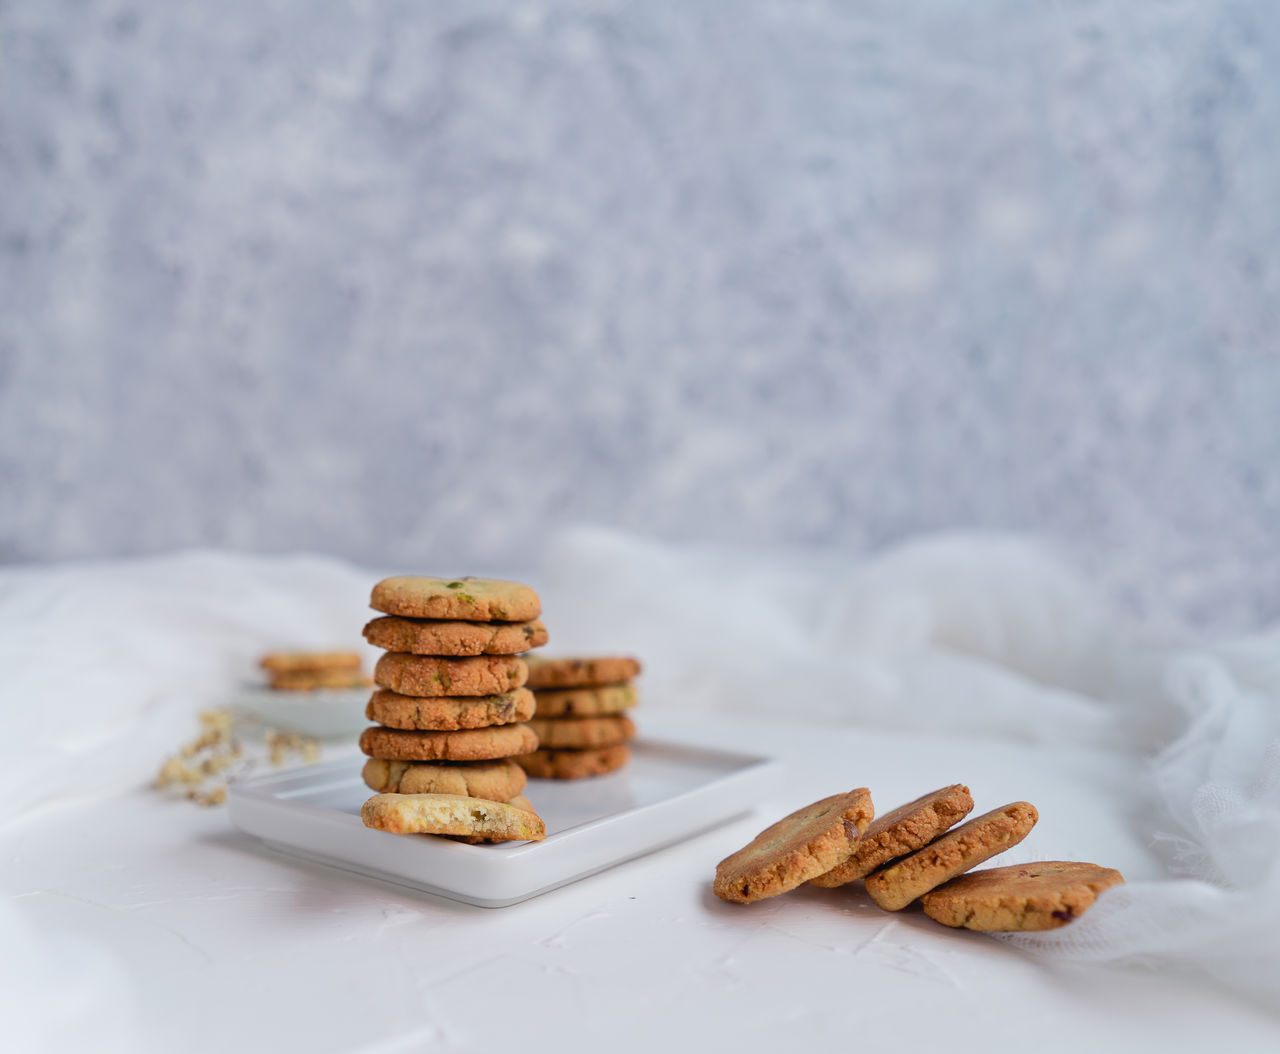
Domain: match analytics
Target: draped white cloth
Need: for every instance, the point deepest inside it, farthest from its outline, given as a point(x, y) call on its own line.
point(975, 636)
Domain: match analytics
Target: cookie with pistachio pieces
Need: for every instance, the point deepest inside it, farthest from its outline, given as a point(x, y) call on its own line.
point(435, 675)
point(581, 671)
point(445, 637)
point(447, 713)
point(452, 814)
point(465, 599)
point(801, 846)
point(586, 702)
point(498, 780)
point(469, 744)
point(574, 764)
point(558, 733)
point(1039, 896)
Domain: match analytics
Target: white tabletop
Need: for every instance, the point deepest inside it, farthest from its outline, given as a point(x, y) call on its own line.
point(224, 944)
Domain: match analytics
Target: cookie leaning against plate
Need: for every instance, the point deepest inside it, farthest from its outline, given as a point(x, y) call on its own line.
point(581, 672)
point(430, 675)
point(499, 780)
point(586, 702)
point(573, 764)
point(472, 744)
point(447, 713)
point(904, 830)
point(434, 637)
point(798, 847)
point(895, 886)
point(452, 814)
point(468, 599)
point(559, 733)
point(1039, 896)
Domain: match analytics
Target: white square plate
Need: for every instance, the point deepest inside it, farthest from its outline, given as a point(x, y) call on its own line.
point(668, 792)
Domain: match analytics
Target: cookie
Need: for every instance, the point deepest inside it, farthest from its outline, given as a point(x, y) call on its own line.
point(499, 780)
point(904, 830)
point(293, 661)
point(446, 713)
point(468, 599)
point(574, 764)
point(312, 680)
point(808, 843)
point(581, 672)
point(472, 744)
point(434, 637)
point(586, 702)
point(429, 675)
point(559, 733)
point(518, 802)
point(452, 814)
point(1040, 896)
point(895, 886)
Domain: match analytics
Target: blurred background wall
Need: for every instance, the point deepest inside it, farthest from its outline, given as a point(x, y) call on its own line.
point(417, 283)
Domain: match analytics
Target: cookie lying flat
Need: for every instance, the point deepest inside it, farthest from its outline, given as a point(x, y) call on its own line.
point(434, 637)
point(313, 680)
point(499, 780)
point(581, 672)
point(446, 713)
point(559, 733)
point(1040, 896)
point(808, 843)
point(518, 802)
point(472, 744)
point(586, 702)
point(452, 814)
point(429, 675)
point(574, 764)
point(897, 885)
point(293, 661)
point(467, 599)
point(904, 830)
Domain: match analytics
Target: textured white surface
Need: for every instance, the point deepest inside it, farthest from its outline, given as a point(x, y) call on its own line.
point(400, 281)
point(150, 924)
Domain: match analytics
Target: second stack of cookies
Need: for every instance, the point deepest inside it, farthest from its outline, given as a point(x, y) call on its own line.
point(581, 721)
point(450, 704)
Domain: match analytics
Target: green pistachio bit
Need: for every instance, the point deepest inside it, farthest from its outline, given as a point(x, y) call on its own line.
point(455, 585)
point(466, 598)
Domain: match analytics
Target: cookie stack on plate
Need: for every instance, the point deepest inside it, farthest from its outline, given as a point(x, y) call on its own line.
point(450, 704)
point(581, 723)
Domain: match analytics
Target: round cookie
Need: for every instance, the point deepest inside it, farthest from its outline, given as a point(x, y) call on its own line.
point(904, 830)
point(574, 764)
point(585, 672)
point(895, 886)
point(452, 814)
point(468, 599)
point(436, 637)
point(518, 802)
point(442, 713)
point(427, 675)
point(1040, 896)
point(577, 733)
point(472, 744)
point(313, 680)
point(586, 702)
point(499, 780)
point(293, 661)
point(808, 843)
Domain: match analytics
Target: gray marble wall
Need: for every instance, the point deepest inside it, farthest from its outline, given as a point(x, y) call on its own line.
point(416, 283)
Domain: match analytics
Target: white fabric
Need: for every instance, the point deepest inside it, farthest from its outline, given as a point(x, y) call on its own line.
point(975, 636)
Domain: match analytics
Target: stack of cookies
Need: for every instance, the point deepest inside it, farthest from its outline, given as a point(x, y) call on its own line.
point(308, 671)
point(450, 704)
point(581, 722)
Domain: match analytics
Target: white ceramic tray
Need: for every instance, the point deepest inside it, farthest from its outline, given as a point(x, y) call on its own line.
point(327, 713)
point(668, 792)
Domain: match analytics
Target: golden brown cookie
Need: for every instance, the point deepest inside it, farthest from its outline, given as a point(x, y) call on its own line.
point(446, 713)
point(904, 830)
point(1040, 896)
point(452, 814)
point(293, 661)
point(895, 886)
point(577, 733)
point(586, 702)
point(472, 744)
point(429, 675)
point(574, 764)
point(436, 637)
point(585, 672)
point(313, 680)
point(468, 599)
point(518, 802)
point(499, 780)
point(808, 843)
